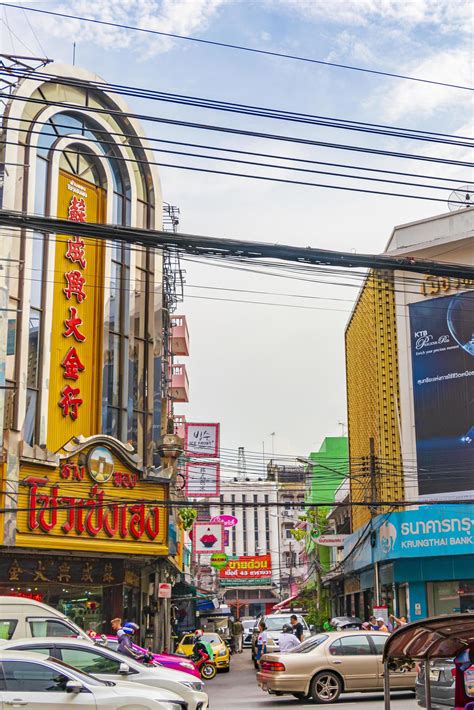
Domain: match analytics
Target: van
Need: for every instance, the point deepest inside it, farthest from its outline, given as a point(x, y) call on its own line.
point(26, 618)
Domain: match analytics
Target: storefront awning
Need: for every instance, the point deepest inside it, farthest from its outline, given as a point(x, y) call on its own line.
point(285, 603)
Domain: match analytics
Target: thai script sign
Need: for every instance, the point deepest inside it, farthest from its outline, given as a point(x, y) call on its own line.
point(202, 440)
point(91, 502)
point(228, 521)
point(247, 570)
point(202, 479)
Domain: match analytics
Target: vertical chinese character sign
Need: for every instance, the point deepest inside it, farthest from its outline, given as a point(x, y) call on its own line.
point(202, 479)
point(76, 333)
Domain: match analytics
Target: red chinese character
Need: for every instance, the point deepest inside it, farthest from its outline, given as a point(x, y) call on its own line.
point(72, 325)
point(76, 251)
point(72, 365)
point(75, 283)
point(70, 402)
point(77, 209)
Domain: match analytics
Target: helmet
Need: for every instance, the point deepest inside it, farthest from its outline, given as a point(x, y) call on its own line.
point(132, 626)
point(198, 633)
point(287, 629)
point(128, 631)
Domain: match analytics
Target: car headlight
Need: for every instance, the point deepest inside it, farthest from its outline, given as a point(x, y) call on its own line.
point(193, 684)
point(187, 664)
point(223, 652)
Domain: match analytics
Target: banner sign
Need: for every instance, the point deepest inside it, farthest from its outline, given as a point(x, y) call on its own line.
point(202, 479)
point(331, 540)
point(228, 521)
point(247, 571)
point(201, 440)
point(208, 538)
point(442, 349)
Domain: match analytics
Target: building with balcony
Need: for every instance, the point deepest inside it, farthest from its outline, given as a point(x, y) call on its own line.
point(179, 383)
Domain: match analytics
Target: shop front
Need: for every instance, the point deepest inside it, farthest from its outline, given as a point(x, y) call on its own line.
point(90, 531)
point(424, 560)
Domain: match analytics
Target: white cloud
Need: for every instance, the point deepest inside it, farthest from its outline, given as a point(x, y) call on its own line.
point(409, 98)
point(346, 45)
point(170, 16)
point(446, 14)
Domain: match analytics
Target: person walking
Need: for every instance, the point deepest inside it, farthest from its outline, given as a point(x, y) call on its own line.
point(237, 634)
point(297, 627)
point(261, 642)
point(288, 639)
point(116, 625)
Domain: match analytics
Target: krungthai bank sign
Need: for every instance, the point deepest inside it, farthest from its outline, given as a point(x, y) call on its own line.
point(430, 530)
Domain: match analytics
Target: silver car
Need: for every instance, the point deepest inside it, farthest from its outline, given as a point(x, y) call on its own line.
point(111, 666)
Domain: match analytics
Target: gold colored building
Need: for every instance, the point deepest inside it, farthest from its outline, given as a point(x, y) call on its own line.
point(81, 326)
point(373, 396)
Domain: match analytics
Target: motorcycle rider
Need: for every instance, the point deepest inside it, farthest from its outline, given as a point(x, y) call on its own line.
point(125, 645)
point(201, 646)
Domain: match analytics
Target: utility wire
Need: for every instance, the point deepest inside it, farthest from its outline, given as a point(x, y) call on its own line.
point(242, 48)
point(245, 109)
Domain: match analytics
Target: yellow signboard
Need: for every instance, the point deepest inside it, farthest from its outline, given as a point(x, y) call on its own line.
point(91, 502)
point(75, 386)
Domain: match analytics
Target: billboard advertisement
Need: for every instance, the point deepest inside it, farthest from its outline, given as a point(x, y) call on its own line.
point(442, 347)
point(247, 571)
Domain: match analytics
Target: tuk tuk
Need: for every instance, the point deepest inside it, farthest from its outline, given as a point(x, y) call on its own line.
point(450, 637)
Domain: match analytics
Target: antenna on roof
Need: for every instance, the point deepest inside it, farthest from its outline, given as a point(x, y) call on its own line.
point(464, 195)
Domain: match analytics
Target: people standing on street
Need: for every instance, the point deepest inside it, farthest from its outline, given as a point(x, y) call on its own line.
point(116, 625)
point(261, 640)
point(237, 635)
point(402, 621)
point(297, 627)
point(327, 626)
point(373, 623)
point(382, 625)
point(288, 639)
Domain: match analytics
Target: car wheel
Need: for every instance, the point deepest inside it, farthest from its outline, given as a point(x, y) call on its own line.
point(326, 687)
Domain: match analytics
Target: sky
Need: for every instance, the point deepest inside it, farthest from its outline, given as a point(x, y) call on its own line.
point(262, 369)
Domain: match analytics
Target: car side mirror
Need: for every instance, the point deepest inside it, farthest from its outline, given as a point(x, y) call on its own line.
point(124, 669)
point(312, 627)
point(74, 686)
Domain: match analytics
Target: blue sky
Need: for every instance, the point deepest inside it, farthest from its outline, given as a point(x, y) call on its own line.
point(262, 369)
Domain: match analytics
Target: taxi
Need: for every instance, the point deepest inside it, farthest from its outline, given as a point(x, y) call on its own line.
point(221, 651)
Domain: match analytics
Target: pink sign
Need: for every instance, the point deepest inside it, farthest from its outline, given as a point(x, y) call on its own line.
point(228, 521)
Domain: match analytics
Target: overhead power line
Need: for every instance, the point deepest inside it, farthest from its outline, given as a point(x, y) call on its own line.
point(242, 48)
point(235, 131)
point(212, 246)
point(247, 109)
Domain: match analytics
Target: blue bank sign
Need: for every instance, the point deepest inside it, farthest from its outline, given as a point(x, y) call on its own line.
point(432, 530)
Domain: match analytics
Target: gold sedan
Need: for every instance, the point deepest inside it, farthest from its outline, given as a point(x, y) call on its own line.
point(326, 665)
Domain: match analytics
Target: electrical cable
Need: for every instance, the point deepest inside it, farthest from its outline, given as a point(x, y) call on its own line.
point(228, 45)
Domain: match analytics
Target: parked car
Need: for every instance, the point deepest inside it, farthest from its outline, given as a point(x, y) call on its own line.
point(111, 666)
point(220, 648)
point(248, 625)
point(341, 623)
point(38, 682)
point(169, 660)
point(274, 624)
point(442, 676)
point(24, 618)
point(326, 665)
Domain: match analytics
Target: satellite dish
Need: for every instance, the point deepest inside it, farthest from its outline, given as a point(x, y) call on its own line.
point(464, 195)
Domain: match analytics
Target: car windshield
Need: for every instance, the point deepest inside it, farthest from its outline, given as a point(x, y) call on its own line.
point(276, 623)
point(310, 644)
point(248, 624)
point(84, 677)
point(212, 638)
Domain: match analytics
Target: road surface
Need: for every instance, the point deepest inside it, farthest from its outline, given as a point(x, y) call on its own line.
point(238, 690)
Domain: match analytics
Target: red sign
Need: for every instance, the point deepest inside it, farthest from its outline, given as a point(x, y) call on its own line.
point(70, 397)
point(247, 568)
point(164, 590)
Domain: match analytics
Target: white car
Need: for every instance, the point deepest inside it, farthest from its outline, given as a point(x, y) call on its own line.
point(106, 664)
point(38, 683)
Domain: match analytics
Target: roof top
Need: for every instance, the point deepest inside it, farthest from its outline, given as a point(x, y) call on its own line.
point(437, 637)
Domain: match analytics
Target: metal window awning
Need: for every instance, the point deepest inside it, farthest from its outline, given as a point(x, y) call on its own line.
point(285, 603)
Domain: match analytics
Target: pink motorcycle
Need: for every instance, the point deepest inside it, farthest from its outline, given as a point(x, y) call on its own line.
point(169, 660)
